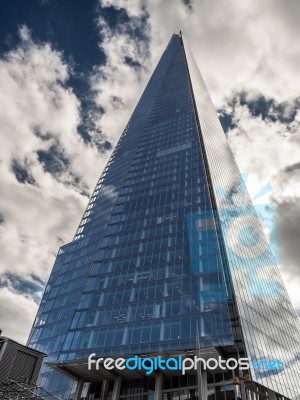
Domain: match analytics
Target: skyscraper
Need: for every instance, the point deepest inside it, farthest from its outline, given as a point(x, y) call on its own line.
point(170, 258)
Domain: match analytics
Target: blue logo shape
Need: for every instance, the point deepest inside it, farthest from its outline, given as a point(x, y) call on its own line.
point(271, 365)
point(251, 238)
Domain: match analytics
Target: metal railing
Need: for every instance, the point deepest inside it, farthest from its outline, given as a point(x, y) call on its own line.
point(23, 389)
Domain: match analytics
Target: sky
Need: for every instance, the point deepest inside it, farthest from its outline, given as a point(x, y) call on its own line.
point(71, 73)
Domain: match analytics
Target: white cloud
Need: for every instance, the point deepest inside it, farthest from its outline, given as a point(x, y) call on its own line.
point(134, 8)
point(265, 148)
point(17, 313)
point(117, 85)
point(38, 113)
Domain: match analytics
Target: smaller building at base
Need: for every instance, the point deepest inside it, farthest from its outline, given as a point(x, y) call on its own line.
point(19, 368)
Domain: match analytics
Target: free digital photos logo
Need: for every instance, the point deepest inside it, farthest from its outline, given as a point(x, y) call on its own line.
point(180, 363)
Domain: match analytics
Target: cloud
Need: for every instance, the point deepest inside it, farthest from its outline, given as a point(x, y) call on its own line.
point(47, 170)
point(266, 108)
point(188, 4)
point(118, 83)
point(134, 8)
point(16, 307)
point(293, 167)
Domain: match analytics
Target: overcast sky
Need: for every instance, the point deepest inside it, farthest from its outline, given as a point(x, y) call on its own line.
point(71, 72)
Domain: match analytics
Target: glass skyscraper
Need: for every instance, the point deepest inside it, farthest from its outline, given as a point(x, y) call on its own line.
point(170, 258)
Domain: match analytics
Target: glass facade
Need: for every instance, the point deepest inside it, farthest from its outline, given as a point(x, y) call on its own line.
point(149, 269)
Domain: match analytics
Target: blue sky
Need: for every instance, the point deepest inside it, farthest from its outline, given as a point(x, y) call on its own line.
point(71, 72)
